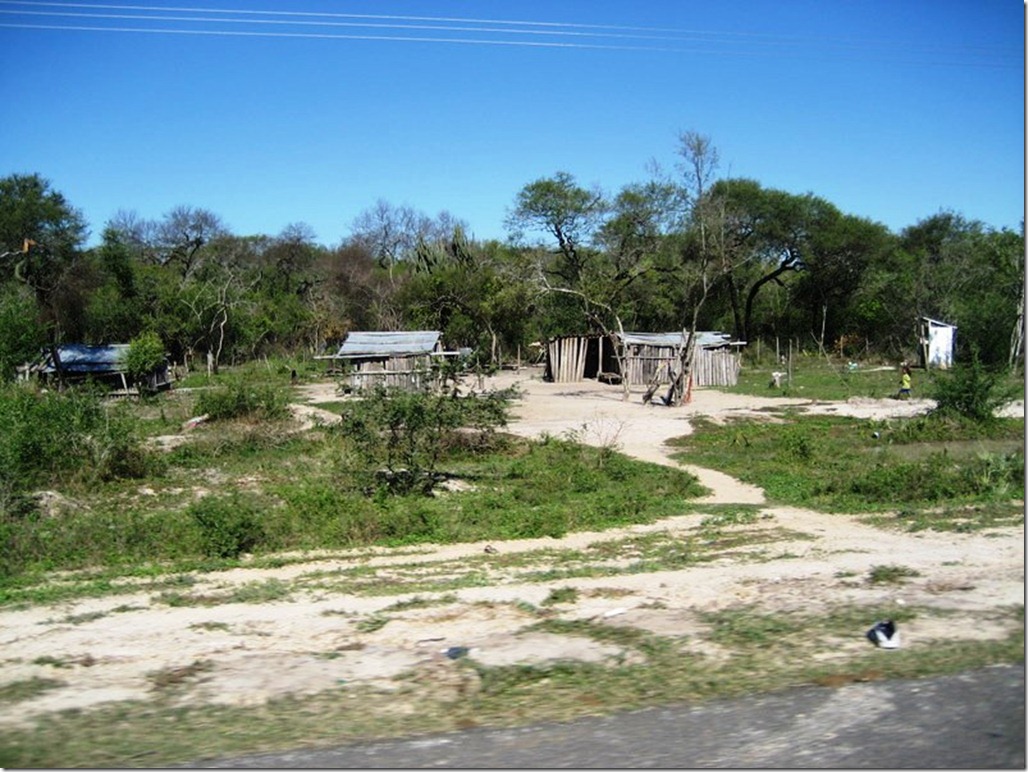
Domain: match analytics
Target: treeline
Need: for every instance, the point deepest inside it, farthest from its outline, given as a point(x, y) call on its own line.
point(664, 254)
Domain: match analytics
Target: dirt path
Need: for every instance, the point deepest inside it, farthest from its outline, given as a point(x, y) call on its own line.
point(325, 632)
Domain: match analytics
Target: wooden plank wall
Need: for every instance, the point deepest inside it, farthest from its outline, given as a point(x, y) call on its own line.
point(408, 373)
point(643, 366)
point(712, 367)
point(716, 367)
point(567, 359)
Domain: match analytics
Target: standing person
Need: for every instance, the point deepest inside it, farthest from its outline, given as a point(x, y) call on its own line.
point(905, 383)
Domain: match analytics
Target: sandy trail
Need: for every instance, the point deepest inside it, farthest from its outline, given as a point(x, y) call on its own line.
point(320, 636)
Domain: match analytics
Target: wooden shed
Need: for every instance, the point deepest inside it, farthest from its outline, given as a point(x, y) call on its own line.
point(78, 363)
point(650, 356)
point(647, 355)
point(400, 360)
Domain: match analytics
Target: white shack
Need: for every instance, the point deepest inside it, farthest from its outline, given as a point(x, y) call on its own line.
point(937, 342)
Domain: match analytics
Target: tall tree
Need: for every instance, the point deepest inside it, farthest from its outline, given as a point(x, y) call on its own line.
point(704, 248)
point(182, 235)
point(41, 236)
point(391, 234)
point(566, 211)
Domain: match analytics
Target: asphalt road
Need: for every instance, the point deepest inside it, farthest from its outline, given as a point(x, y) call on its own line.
point(972, 720)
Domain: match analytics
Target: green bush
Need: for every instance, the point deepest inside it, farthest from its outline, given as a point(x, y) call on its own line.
point(402, 436)
point(229, 525)
point(235, 397)
point(50, 439)
point(21, 335)
point(970, 390)
point(145, 354)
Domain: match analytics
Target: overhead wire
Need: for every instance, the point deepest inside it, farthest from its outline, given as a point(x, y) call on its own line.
point(513, 32)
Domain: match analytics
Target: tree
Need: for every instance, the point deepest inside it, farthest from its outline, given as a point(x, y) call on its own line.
point(182, 235)
point(704, 250)
point(114, 309)
point(965, 273)
point(561, 208)
point(642, 216)
point(21, 336)
point(40, 238)
point(479, 296)
point(391, 234)
point(145, 355)
point(838, 249)
point(30, 209)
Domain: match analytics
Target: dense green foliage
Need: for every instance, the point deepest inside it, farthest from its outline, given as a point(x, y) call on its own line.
point(657, 255)
point(403, 436)
point(145, 354)
point(55, 439)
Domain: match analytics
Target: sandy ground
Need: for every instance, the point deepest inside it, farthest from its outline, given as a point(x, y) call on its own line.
point(121, 647)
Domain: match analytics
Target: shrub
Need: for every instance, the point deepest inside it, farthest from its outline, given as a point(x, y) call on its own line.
point(236, 398)
point(145, 354)
point(229, 525)
point(970, 390)
point(53, 438)
point(405, 434)
point(21, 336)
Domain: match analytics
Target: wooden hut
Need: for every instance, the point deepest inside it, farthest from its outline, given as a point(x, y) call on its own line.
point(647, 356)
point(400, 360)
point(74, 363)
point(653, 356)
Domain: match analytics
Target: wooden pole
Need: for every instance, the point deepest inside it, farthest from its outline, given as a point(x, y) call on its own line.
point(790, 361)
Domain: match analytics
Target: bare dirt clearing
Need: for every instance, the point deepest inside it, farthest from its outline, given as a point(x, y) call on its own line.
point(325, 629)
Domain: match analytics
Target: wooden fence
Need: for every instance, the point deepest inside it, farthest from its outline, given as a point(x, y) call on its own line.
point(566, 358)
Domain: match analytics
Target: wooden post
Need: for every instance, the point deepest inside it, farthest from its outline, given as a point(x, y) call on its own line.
point(790, 361)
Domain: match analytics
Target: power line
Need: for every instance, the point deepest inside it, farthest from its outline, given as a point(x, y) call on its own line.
point(364, 24)
point(634, 38)
point(321, 35)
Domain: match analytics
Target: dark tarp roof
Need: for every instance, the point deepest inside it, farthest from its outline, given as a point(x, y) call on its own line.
point(79, 358)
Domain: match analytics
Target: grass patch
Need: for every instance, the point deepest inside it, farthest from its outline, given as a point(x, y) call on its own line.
point(175, 676)
point(27, 689)
point(560, 595)
point(841, 464)
point(372, 623)
point(891, 574)
point(268, 591)
point(418, 603)
point(235, 491)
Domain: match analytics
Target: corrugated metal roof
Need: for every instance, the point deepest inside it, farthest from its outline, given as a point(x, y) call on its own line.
point(673, 339)
point(79, 358)
point(388, 344)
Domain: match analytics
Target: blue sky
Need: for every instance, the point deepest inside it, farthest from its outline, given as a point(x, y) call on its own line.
point(313, 110)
